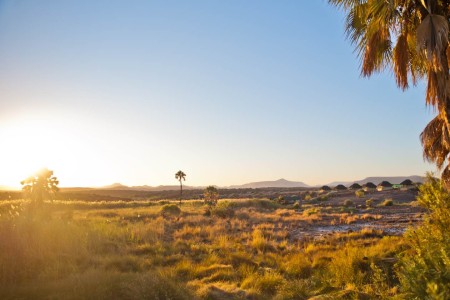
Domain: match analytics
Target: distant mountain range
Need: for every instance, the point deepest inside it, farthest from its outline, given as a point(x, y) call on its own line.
point(119, 186)
point(377, 180)
point(280, 183)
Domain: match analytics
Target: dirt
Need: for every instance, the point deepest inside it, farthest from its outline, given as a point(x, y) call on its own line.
point(335, 217)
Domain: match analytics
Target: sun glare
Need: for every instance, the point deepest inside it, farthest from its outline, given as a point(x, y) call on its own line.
point(32, 144)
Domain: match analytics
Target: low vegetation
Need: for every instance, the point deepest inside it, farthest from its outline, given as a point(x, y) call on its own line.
point(360, 194)
point(387, 202)
point(240, 249)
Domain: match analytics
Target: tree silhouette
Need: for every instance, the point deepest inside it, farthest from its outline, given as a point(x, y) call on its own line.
point(180, 176)
point(41, 186)
point(412, 39)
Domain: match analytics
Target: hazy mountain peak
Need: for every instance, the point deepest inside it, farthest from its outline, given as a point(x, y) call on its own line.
point(115, 185)
point(280, 183)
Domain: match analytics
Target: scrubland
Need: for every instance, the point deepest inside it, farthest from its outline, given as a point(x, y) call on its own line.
point(240, 249)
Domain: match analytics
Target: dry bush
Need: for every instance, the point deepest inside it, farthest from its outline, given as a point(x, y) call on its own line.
point(387, 202)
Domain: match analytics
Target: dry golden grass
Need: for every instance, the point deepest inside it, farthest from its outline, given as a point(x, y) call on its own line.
point(131, 251)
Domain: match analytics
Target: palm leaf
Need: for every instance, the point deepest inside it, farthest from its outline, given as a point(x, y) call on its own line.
point(432, 38)
point(401, 60)
point(435, 141)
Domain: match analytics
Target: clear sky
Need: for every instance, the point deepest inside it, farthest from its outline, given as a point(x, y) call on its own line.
point(228, 91)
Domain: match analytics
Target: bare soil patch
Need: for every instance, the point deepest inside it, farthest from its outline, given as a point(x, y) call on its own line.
point(345, 212)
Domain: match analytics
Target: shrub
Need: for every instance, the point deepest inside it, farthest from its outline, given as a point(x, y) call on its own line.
point(258, 203)
point(170, 210)
point(359, 194)
point(424, 271)
point(311, 211)
point(296, 205)
point(267, 283)
point(308, 197)
point(259, 241)
point(295, 289)
point(280, 200)
point(297, 266)
point(348, 266)
point(323, 198)
point(388, 202)
point(348, 203)
point(369, 202)
point(223, 210)
point(211, 195)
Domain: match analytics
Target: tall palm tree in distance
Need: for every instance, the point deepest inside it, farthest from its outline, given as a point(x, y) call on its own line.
point(180, 176)
point(411, 37)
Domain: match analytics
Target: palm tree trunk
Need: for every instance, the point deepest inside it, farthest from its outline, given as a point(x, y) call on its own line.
point(181, 190)
point(443, 94)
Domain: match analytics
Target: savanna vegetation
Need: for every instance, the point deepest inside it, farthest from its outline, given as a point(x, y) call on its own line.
point(235, 249)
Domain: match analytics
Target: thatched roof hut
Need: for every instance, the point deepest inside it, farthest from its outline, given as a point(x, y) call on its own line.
point(384, 185)
point(406, 182)
point(325, 188)
point(370, 185)
point(355, 186)
point(340, 187)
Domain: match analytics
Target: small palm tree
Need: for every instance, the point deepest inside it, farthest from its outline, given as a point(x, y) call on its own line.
point(180, 176)
point(41, 186)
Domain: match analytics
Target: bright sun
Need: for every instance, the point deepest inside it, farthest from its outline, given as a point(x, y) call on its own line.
point(31, 144)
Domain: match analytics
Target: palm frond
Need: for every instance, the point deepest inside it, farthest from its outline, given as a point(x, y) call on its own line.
point(345, 4)
point(435, 142)
point(401, 61)
point(436, 89)
point(432, 38)
point(377, 53)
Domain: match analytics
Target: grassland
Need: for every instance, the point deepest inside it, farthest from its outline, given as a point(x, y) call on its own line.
point(241, 249)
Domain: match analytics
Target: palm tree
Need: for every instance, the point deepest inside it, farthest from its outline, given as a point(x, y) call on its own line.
point(41, 186)
point(412, 38)
point(180, 176)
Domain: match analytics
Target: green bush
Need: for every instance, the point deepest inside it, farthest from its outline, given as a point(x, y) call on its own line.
point(369, 202)
point(425, 269)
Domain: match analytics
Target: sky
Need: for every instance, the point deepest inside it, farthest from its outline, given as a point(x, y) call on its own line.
point(230, 92)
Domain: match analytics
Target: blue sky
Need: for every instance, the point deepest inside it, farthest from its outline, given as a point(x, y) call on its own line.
point(227, 91)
